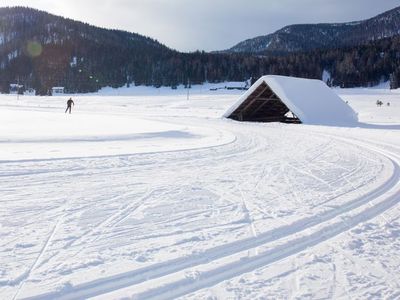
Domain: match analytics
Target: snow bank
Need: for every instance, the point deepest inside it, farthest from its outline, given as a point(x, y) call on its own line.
point(27, 135)
point(206, 88)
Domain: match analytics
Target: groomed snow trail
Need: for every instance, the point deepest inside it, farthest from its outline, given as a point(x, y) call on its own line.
point(378, 202)
point(185, 223)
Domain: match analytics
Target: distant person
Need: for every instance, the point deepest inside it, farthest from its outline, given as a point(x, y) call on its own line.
point(70, 102)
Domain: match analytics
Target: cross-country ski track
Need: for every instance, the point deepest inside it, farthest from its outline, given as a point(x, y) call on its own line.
point(320, 228)
point(185, 222)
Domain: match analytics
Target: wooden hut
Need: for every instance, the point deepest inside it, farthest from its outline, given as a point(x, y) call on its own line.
point(291, 100)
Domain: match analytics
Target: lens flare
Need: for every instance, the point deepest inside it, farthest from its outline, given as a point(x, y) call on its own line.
point(34, 49)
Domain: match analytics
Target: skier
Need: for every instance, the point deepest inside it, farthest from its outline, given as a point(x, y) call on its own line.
point(70, 102)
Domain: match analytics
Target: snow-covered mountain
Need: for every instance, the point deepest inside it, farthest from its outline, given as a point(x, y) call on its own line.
point(305, 37)
point(39, 50)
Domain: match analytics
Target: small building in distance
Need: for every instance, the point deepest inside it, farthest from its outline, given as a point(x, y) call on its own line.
point(30, 92)
point(16, 88)
point(57, 90)
point(285, 99)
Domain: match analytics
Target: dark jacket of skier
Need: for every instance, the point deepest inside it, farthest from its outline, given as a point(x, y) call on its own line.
point(70, 102)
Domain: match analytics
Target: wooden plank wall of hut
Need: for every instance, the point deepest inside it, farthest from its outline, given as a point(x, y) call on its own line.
point(263, 105)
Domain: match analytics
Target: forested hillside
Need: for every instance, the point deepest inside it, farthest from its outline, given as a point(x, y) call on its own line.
point(306, 37)
point(40, 51)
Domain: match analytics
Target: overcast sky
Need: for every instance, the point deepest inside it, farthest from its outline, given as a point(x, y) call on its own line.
point(189, 25)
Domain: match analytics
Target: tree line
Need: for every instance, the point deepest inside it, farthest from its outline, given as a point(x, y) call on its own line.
point(40, 51)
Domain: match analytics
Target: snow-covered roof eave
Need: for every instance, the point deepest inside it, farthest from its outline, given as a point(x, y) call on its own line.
point(243, 98)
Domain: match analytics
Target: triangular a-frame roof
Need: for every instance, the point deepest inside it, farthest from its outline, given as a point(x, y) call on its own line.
point(310, 101)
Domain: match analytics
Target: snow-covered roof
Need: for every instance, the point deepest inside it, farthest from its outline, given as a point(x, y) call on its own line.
point(312, 101)
point(16, 85)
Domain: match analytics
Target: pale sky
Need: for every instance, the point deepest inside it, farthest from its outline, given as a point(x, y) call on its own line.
point(189, 25)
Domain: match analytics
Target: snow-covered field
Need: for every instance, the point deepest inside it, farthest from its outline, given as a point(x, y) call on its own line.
point(142, 193)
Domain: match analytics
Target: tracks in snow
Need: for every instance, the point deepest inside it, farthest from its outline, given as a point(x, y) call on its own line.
point(38, 258)
point(230, 260)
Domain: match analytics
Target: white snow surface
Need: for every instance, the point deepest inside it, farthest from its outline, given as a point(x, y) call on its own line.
point(158, 197)
point(312, 101)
